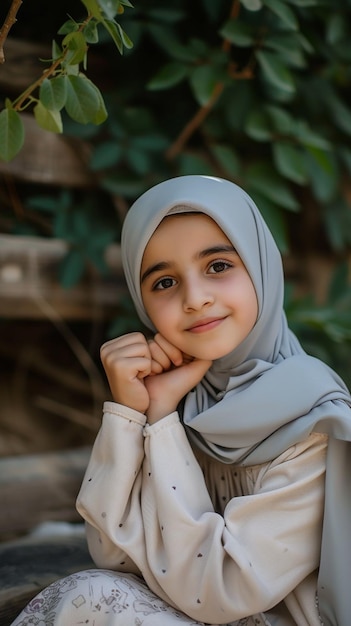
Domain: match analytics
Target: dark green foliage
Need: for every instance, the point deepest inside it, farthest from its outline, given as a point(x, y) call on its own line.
point(325, 330)
point(276, 81)
point(86, 228)
point(257, 91)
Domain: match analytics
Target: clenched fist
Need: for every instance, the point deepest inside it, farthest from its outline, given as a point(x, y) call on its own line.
point(149, 376)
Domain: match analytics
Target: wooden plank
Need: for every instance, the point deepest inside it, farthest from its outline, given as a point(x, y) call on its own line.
point(22, 64)
point(29, 286)
point(38, 488)
point(50, 158)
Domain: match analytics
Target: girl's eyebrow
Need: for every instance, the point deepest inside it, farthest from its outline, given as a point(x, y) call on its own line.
point(157, 267)
point(217, 250)
point(164, 265)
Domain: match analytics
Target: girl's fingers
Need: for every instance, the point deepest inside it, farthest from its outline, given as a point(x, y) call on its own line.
point(131, 339)
point(160, 360)
point(127, 357)
point(174, 355)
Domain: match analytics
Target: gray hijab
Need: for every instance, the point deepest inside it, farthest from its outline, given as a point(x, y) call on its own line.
point(267, 394)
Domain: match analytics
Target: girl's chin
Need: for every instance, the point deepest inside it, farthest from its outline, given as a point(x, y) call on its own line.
point(207, 356)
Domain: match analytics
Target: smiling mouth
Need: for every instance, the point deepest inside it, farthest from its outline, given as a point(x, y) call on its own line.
point(205, 325)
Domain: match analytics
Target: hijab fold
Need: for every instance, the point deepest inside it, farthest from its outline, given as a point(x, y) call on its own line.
point(267, 394)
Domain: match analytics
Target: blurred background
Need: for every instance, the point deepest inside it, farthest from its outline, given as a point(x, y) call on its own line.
point(257, 91)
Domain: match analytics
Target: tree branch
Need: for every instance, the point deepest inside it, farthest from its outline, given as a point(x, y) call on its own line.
point(50, 71)
point(10, 20)
point(204, 111)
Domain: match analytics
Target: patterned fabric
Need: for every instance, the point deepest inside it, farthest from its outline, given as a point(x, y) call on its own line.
point(106, 598)
point(100, 598)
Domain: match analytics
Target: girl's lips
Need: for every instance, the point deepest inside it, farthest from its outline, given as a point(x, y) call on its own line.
point(204, 325)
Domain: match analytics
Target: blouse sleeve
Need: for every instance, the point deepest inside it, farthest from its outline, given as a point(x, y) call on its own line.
point(222, 568)
point(109, 498)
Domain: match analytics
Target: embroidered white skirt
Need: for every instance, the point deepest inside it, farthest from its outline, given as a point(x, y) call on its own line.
point(100, 597)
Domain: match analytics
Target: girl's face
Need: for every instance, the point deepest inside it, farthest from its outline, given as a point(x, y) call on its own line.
point(195, 288)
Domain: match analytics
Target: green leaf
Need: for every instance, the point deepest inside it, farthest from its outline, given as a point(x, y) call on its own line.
point(151, 142)
point(258, 125)
point(106, 155)
point(129, 187)
point(168, 76)
point(273, 216)
point(127, 42)
point(77, 46)
point(307, 137)
point(324, 173)
point(93, 7)
point(336, 28)
point(227, 159)
point(195, 164)
point(305, 43)
point(84, 102)
point(203, 80)
point(139, 160)
point(118, 35)
point(284, 12)
point(305, 3)
point(125, 3)
point(275, 71)
point(281, 120)
point(327, 320)
point(290, 163)
point(49, 203)
point(164, 37)
point(269, 120)
point(47, 119)
point(236, 102)
point(109, 7)
point(56, 50)
point(262, 178)
point(11, 134)
point(185, 54)
point(91, 32)
point(339, 284)
point(337, 218)
point(72, 70)
point(53, 93)
point(325, 159)
point(68, 27)
point(252, 5)
point(339, 112)
point(239, 33)
point(72, 268)
point(289, 47)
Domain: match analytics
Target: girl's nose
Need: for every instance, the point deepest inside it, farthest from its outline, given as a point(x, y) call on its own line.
point(196, 295)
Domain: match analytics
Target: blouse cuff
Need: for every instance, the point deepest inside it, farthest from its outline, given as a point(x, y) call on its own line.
point(165, 422)
point(113, 408)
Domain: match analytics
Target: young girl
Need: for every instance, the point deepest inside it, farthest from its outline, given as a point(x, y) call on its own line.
point(218, 489)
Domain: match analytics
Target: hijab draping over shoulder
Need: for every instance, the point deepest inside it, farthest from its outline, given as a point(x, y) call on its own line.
point(267, 394)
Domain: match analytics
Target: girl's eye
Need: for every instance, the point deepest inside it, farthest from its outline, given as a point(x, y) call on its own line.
point(164, 283)
point(219, 266)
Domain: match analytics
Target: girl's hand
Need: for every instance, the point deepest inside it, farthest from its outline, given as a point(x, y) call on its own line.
point(179, 374)
point(149, 376)
point(127, 361)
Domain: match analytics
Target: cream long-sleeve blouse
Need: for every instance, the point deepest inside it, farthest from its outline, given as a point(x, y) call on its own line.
point(219, 542)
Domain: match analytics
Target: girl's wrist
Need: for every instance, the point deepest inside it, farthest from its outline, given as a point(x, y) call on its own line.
point(156, 413)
